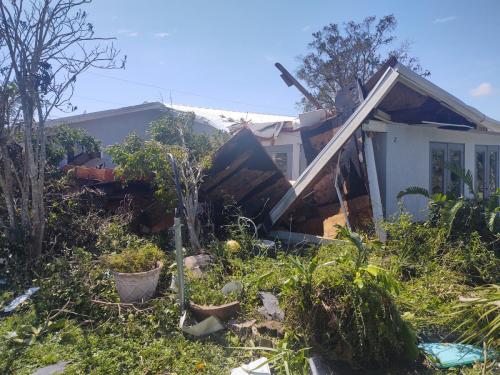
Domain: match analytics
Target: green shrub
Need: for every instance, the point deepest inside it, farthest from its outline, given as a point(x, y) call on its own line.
point(417, 245)
point(135, 259)
point(473, 258)
point(349, 313)
point(480, 316)
point(74, 278)
point(113, 235)
point(206, 290)
point(426, 300)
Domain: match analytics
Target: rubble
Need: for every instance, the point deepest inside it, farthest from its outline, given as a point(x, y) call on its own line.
point(223, 312)
point(197, 264)
point(271, 309)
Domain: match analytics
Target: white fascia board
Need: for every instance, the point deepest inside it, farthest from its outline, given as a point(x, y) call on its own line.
point(375, 126)
point(383, 86)
point(420, 84)
point(104, 114)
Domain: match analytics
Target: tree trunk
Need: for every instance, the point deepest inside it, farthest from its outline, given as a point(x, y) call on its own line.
point(7, 188)
point(191, 207)
point(32, 155)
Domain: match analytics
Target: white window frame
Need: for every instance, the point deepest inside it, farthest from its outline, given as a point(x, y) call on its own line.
point(447, 148)
point(486, 149)
point(283, 149)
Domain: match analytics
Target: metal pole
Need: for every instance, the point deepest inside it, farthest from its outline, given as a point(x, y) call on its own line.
point(179, 257)
point(180, 261)
point(291, 81)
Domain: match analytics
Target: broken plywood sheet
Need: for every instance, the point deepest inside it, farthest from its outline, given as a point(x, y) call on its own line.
point(316, 137)
point(243, 174)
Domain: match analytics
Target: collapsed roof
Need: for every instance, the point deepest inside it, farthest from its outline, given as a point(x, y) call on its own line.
point(396, 94)
point(243, 175)
point(224, 119)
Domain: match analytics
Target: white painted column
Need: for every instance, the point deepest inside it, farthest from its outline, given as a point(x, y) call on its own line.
point(371, 167)
point(296, 161)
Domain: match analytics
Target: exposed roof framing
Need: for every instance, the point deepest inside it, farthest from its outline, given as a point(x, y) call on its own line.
point(243, 174)
point(395, 73)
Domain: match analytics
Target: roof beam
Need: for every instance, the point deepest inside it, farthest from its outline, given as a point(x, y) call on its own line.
point(420, 84)
point(386, 82)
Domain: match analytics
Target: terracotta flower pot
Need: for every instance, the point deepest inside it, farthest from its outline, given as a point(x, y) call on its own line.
point(223, 312)
point(137, 286)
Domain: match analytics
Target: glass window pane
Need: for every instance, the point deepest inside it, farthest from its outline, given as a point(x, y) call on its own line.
point(281, 160)
point(492, 171)
point(437, 170)
point(480, 170)
point(455, 183)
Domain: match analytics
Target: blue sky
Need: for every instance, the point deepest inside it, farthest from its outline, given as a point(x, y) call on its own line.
point(220, 54)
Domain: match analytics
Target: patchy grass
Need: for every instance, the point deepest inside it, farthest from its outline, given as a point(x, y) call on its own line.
point(99, 339)
point(129, 346)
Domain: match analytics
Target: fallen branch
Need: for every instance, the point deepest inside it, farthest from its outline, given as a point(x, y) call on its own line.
point(121, 305)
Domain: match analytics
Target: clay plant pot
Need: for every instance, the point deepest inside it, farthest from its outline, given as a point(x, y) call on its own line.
point(137, 286)
point(222, 312)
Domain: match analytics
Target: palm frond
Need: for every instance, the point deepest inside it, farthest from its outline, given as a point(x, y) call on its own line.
point(414, 190)
point(491, 218)
point(464, 175)
point(453, 214)
point(480, 315)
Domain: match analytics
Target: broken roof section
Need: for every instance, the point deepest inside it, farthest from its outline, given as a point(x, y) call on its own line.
point(243, 174)
point(398, 94)
point(224, 119)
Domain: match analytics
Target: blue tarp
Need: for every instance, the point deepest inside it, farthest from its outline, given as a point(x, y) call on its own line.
point(446, 355)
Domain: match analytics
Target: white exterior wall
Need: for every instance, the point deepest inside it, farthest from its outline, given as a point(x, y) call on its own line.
point(293, 139)
point(114, 129)
point(407, 160)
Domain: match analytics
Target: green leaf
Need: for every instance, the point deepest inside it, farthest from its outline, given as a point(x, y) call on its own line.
point(413, 190)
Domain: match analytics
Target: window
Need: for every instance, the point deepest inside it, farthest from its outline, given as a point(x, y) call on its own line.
point(441, 178)
point(281, 160)
point(486, 170)
point(282, 157)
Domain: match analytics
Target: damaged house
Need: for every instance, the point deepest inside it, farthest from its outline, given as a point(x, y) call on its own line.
point(301, 176)
point(394, 131)
point(114, 125)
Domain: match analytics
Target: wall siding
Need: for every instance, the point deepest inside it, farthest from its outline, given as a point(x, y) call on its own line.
point(407, 160)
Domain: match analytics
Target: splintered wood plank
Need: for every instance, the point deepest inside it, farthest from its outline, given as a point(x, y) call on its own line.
point(242, 182)
point(382, 87)
point(232, 167)
point(265, 199)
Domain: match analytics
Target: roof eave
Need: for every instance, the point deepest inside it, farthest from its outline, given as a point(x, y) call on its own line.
point(75, 119)
point(420, 84)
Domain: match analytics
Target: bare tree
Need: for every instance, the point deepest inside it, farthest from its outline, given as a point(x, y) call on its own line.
point(341, 54)
point(46, 44)
point(191, 175)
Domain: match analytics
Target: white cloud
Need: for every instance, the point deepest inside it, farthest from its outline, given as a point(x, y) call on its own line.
point(445, 19)
point(306, 28)
point(127, 32)
point(484, 89)
point(161, 35)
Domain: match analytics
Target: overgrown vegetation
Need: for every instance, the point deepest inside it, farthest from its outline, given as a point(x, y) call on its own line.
point(173, 139)
point(135, 259)
point(356, 302)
